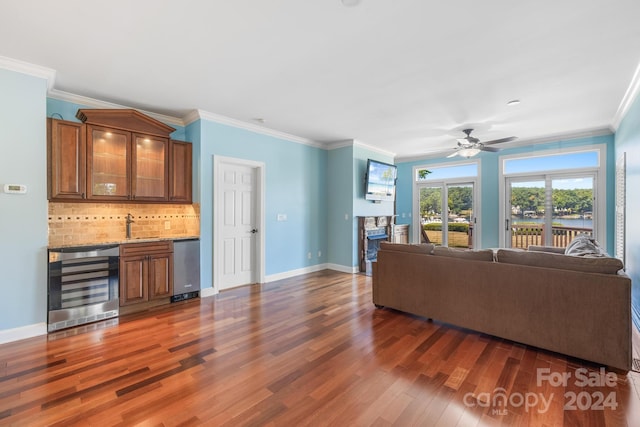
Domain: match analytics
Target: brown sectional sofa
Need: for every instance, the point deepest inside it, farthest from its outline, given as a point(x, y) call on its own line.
point(572, 305)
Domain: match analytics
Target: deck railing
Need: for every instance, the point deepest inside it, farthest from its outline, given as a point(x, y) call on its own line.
point(523, 235)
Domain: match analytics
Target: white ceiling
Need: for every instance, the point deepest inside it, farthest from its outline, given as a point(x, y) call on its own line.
point(402, 76)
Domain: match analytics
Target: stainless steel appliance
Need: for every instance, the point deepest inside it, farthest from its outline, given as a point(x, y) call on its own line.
point(83, 285)
point(186, 269)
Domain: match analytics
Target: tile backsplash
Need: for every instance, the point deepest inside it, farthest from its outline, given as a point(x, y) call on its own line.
point(93, 223)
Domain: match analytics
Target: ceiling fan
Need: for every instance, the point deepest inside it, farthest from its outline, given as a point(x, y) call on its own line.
point(469, 146)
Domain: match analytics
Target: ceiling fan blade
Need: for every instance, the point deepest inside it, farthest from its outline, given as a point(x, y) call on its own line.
point(455, 153)
point(462, 141)
point(500, 141)
point(491, 149)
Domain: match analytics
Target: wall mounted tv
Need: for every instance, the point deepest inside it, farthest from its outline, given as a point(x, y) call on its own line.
point(380, 181)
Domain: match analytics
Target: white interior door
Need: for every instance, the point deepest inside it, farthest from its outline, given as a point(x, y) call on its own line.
point(238, 226)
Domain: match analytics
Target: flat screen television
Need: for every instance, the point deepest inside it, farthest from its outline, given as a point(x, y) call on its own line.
point(380, 181)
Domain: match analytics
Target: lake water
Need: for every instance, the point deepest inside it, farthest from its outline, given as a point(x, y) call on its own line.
point(567, 222)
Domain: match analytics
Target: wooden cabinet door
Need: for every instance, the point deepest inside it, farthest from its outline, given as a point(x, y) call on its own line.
point(108, 163)
point(160, 276)
point(180, 172)
point(149, 168)
point(66, 159)
point(134, 280)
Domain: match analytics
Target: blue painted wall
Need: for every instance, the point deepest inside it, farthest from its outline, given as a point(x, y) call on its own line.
point(628, 141)
point(296, 185)
point(340, 206)
point(23, 218)
point(489, 174)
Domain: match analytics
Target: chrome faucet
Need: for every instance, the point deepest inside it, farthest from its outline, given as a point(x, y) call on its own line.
point(129, 222)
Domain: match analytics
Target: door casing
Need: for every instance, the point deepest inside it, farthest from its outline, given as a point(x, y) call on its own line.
point(259, 267)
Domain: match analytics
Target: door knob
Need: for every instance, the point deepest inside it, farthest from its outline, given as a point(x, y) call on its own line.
point(254, 231)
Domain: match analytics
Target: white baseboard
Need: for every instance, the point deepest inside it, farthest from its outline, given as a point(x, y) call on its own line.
point(343, 268)
point(311, 269)
point(208, 292)
point(23, 332)
point(293, 273)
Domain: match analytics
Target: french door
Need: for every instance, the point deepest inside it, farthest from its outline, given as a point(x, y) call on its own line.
point(452, 226)
point(549, 210)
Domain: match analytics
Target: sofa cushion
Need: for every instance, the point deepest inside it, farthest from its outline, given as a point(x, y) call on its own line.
point(422, 248)
point(551, 249)
point(604, 265)
point(477, 255)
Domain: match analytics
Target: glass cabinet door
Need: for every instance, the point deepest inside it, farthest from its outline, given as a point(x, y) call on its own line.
point(150, 167)
point(108, 166)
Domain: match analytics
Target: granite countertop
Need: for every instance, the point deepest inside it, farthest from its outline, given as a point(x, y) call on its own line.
point(125, 241)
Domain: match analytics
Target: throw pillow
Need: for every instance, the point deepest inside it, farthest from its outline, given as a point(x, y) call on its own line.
point(584, 245)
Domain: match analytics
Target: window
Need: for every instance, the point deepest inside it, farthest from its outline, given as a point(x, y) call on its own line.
point(549, 199)
point(455, 188)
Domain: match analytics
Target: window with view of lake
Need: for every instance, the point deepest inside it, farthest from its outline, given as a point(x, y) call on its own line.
point(550, 199)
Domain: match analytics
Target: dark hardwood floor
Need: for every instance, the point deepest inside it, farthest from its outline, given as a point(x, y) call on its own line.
point(310, 350)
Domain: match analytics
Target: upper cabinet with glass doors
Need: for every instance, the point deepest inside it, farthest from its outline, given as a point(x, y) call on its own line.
point(128, 158)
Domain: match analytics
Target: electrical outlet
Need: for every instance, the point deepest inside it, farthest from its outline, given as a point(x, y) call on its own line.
point(167, 225)
point(346, 217)
point(319, 254)
point(281, 217)
point(309, 255)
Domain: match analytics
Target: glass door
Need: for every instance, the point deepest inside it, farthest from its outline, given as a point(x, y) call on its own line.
point(460, 218)
point(572, 212)
point(430, 203)
point(549, 210)
point(525, 221)
point(108, 152)
point(452, 227)
point(150, 167)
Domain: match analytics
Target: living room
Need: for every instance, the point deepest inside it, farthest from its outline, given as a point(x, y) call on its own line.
point(313, 190)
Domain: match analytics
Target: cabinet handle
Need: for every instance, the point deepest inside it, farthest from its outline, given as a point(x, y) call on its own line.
point(83, 196)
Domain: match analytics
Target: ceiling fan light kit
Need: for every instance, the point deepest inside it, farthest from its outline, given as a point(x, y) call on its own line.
point(468, 152)
point(470, 146)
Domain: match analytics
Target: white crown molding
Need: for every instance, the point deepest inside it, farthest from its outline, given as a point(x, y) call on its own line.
point(96, 103)
point(588, 133)
point(340, 144)
point(376, 149)
point(217, 118)
point(192, 116)
point(627, 100)
point(30, 69)
point(352, 142)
